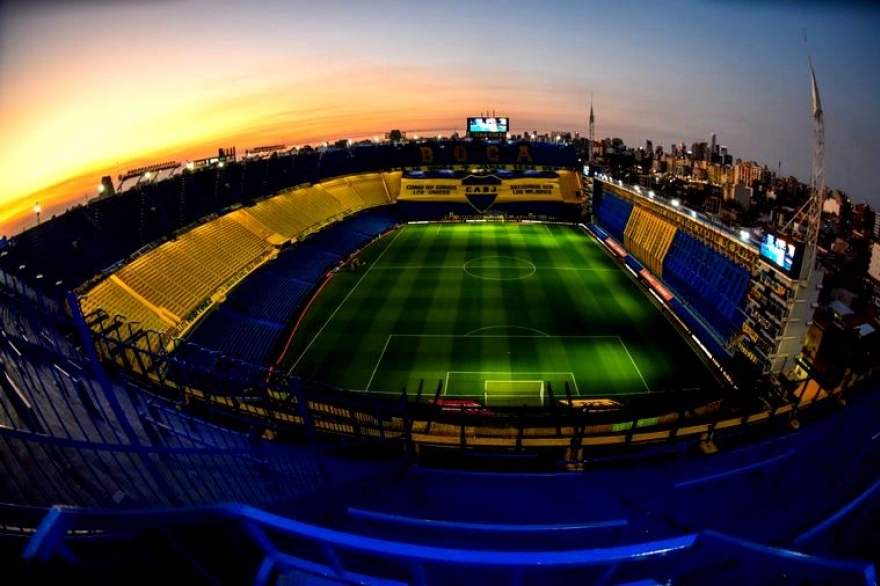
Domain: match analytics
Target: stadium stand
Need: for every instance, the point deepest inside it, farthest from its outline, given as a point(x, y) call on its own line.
point(649, 238)
point(710, 286)
point(713, 284)
point(613, 215)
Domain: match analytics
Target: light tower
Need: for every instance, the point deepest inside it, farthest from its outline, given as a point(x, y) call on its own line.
point(804, 227)
point(783, 294)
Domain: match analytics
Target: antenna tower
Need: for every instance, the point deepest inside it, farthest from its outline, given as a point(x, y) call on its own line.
point(592, 129)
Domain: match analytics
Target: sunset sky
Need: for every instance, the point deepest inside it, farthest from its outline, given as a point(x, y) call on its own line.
point(96, 87)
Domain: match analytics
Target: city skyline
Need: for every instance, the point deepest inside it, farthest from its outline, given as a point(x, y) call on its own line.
point(108, 86)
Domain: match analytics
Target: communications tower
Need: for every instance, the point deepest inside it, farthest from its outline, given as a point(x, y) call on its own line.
point(592, 130)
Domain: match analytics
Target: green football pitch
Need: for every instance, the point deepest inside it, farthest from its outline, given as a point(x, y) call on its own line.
point(500, 313)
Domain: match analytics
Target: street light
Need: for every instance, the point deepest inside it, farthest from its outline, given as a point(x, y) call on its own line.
point(38, 210)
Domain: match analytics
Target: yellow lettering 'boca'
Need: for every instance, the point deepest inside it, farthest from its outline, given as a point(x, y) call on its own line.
point(459, 153)
point(524, 156)
point(427, 154)
point(493, 154)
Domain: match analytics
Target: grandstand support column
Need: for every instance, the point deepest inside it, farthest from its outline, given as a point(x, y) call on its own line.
point(109, 394)
point(303, 406)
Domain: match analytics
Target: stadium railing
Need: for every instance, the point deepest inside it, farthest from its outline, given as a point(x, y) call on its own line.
point(280, 547)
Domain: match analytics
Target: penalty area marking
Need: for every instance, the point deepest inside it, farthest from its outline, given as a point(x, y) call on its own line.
point(508, 374)
point(474, 334)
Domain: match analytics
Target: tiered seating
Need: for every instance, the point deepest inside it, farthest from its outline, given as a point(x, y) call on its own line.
point(113, 298)
point(371, 189)
point(342, 191)
point(613, 214)
point(373, 222)
point(648, 237)
point(269, 295)
point(712, 284)
point(237, 335)
point(181, 273)
point(269, 298)
point(305, 261)
point(340, 239)
point(393, 182)
point(294, 212)
point(569, 183)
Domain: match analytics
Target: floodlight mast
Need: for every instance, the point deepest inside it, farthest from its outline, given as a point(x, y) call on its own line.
point(806, 285)
point(817, 193)
point(810, 214)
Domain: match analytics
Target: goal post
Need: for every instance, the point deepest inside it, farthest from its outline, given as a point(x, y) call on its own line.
point(512, 390)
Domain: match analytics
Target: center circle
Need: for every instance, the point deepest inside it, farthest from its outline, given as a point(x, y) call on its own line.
point(499, 268)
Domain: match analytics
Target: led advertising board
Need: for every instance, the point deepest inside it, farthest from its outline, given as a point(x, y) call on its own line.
point(489, 126)
point(784, 252)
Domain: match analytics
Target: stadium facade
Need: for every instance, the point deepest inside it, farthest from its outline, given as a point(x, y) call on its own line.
point(139, 446)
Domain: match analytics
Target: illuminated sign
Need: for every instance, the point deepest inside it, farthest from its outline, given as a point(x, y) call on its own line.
point(488, 126)
point(782, 252)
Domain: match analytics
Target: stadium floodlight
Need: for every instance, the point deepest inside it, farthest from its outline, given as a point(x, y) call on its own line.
point(675, 202)
point(101, 188)
point(37, 210)
point(651, 194)
point(221, 164)
point(744, 235)
point(190, 165)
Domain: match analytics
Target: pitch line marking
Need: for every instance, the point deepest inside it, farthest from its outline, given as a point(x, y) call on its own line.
point(541, 334)
point(341, 303)
point(379, 361)
point(468, 271)
point(625, 349)
point(506, 372)
point(462, 267)
point(509, 373)
point(469, 335)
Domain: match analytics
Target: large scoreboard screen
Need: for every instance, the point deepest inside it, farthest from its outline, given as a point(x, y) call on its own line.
point(488, 126)
point(784, 252)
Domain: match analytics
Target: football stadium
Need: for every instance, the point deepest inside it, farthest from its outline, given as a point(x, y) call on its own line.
point(422, 362)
